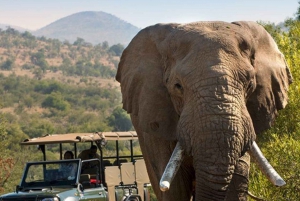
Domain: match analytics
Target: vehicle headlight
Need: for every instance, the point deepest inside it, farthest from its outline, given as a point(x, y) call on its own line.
point(51, 199)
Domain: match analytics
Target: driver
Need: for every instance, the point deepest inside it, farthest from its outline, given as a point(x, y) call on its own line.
point(68, 169)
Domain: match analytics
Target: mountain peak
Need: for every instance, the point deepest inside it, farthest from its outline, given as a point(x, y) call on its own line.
point(92, 26)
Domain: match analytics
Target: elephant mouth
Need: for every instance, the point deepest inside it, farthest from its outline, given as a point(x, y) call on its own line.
point(255, 152)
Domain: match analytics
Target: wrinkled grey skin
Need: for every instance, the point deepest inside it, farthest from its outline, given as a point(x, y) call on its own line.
point(210, 86)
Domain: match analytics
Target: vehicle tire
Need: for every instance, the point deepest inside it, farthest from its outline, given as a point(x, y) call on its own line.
point(133, 199)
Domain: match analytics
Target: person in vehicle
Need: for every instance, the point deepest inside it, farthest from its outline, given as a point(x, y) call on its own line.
point(68, 155)
point(68, 170)
point(89, 153)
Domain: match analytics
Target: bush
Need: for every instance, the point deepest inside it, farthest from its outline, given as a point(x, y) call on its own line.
point(120, 120)
point(7, 65)
point(117, 49)
point(56, 101)
point(283, 154)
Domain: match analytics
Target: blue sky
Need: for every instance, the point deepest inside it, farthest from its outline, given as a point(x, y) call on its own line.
point(34, 14)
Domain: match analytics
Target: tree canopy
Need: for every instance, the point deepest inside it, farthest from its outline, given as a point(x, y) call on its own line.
point(298, 12)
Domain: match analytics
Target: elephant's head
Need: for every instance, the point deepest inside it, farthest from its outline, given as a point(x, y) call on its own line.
point(209, 86)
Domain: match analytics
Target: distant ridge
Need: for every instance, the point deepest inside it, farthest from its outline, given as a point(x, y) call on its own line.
point(20, 29)
point(94, 27)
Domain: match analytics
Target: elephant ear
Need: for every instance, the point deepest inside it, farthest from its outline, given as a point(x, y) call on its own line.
point(273, 78)
point(140, 73)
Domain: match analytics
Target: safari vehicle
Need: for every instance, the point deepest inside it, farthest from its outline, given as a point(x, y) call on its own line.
point(92, 179)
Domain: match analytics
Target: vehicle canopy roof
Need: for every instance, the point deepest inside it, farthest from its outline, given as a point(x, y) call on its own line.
point(80, 137)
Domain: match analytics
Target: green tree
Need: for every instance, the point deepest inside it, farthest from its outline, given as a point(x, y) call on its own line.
point(36, 127)
point(298, 12)
point(28, 101)
point(38, 74)
point(117, 49)
point(120, 120)
point(8, 64)
point(47, 87)
point(28, 35)
point(12, 31)
point(56, 100)
point(7, 162)
point(39, 60)
point(79, 42)
point(105, 45)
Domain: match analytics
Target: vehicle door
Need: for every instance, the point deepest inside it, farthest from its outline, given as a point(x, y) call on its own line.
point(90, 179)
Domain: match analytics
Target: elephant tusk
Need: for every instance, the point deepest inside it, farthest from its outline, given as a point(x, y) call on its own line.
point(265, 166)
point(171, 168)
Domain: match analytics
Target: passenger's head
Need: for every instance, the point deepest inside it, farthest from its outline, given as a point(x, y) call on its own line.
point(68, 155)
point(93, 149)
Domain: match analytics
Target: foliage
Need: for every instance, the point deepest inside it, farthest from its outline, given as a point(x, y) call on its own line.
point(37, 55)
point(298, 12)
point(39, 60)
point(7, 65)
point(117, 49)
point(86, 68)
point(120, 120)
point(11, 159)
point(6, 166)
point(282, 153)
point(79, 41)
point(62, 105)
point(55, 100)
point(5, 162)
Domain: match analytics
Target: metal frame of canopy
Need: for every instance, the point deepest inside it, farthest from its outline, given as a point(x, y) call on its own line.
point(99, 138)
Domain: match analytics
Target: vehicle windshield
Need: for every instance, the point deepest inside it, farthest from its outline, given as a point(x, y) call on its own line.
point(50, 173)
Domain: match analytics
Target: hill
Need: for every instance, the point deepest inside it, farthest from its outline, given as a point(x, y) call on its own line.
point(24, 54)
point(48, 86)
point(47, 79)
point(93, 27)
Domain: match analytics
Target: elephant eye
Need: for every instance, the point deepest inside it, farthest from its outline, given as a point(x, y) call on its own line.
point(178, 86)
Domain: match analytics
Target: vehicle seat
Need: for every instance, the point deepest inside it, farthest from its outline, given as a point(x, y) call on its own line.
point(85, 181)
point(127, 173)
point(112, 178)
point(90, 171)
point(141, 176)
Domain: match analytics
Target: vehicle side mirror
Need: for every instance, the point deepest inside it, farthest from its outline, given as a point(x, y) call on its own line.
point(80, 188)
point(17, 188)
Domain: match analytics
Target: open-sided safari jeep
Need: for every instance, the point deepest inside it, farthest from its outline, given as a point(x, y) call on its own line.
point(92, 179)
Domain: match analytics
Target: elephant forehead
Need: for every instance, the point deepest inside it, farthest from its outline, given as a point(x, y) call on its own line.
point(188, 49)
point(204, 35)
point(210, 71)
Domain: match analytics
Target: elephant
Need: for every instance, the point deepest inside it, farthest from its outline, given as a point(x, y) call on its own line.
point(209, 88)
